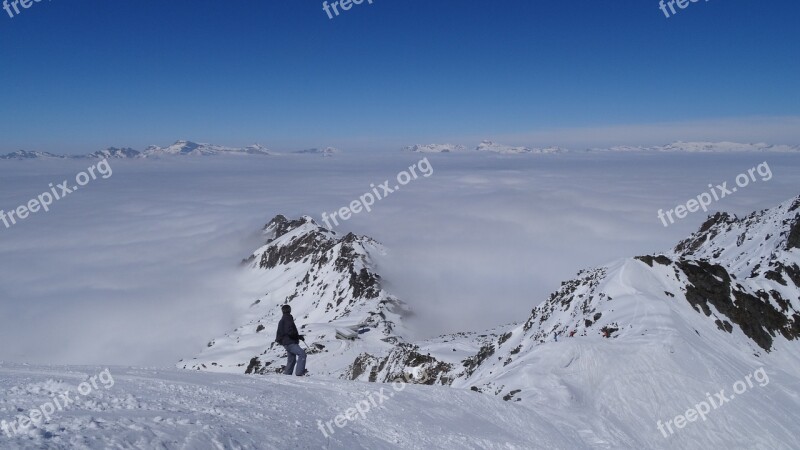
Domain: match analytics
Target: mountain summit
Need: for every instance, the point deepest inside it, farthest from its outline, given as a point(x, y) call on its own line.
point(332, 285)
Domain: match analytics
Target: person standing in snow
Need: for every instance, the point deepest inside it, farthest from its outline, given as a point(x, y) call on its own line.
point(289, 338)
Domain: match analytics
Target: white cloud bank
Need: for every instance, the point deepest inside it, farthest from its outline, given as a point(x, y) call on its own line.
point(141, 268)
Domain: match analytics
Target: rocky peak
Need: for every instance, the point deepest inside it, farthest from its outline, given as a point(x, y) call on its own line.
point(333, 287)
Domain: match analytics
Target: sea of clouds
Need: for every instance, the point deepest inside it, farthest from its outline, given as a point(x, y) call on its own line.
point(142, 268)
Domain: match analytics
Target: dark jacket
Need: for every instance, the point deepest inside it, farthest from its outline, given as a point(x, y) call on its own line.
point(287, 331)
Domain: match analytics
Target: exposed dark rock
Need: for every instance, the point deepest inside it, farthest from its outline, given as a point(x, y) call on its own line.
point(392, 367)
point(757, 318)
point(281, 225)
point(793, 272)
point(306, 245)
point(794, 234)
point(254, 367)
point(775, 275)
point(724, 326)
point(365, 284)
point(562, 299)
point(511, 394)
point(360, 365)
point(707, 231)
point(473, 362)
point(782, 302)
point(648, 259)
point(608, 331)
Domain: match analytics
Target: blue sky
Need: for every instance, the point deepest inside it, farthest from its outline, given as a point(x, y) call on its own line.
point(78, 76)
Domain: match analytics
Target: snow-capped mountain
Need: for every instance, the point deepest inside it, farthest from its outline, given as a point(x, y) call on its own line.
point(435, 148)
point(493, 147)
point(24, 154)
point(706, 147)
point(615, 350)
point(114, 153)
point(189, 148)
point(324, 152)
point(331, 284)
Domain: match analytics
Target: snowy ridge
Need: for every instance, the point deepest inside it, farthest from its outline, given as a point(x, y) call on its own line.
point(642, 339)
point(741, 275)
point(761, 239)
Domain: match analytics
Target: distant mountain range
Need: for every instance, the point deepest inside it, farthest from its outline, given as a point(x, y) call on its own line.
point(705, 147)
point(179, 148)
point(189, 148)
point(484, 146)
point(676, 147)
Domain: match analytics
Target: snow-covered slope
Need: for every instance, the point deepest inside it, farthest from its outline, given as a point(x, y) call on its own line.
point(174, 409)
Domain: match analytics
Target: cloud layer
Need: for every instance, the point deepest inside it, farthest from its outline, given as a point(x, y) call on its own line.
point(142, 268)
